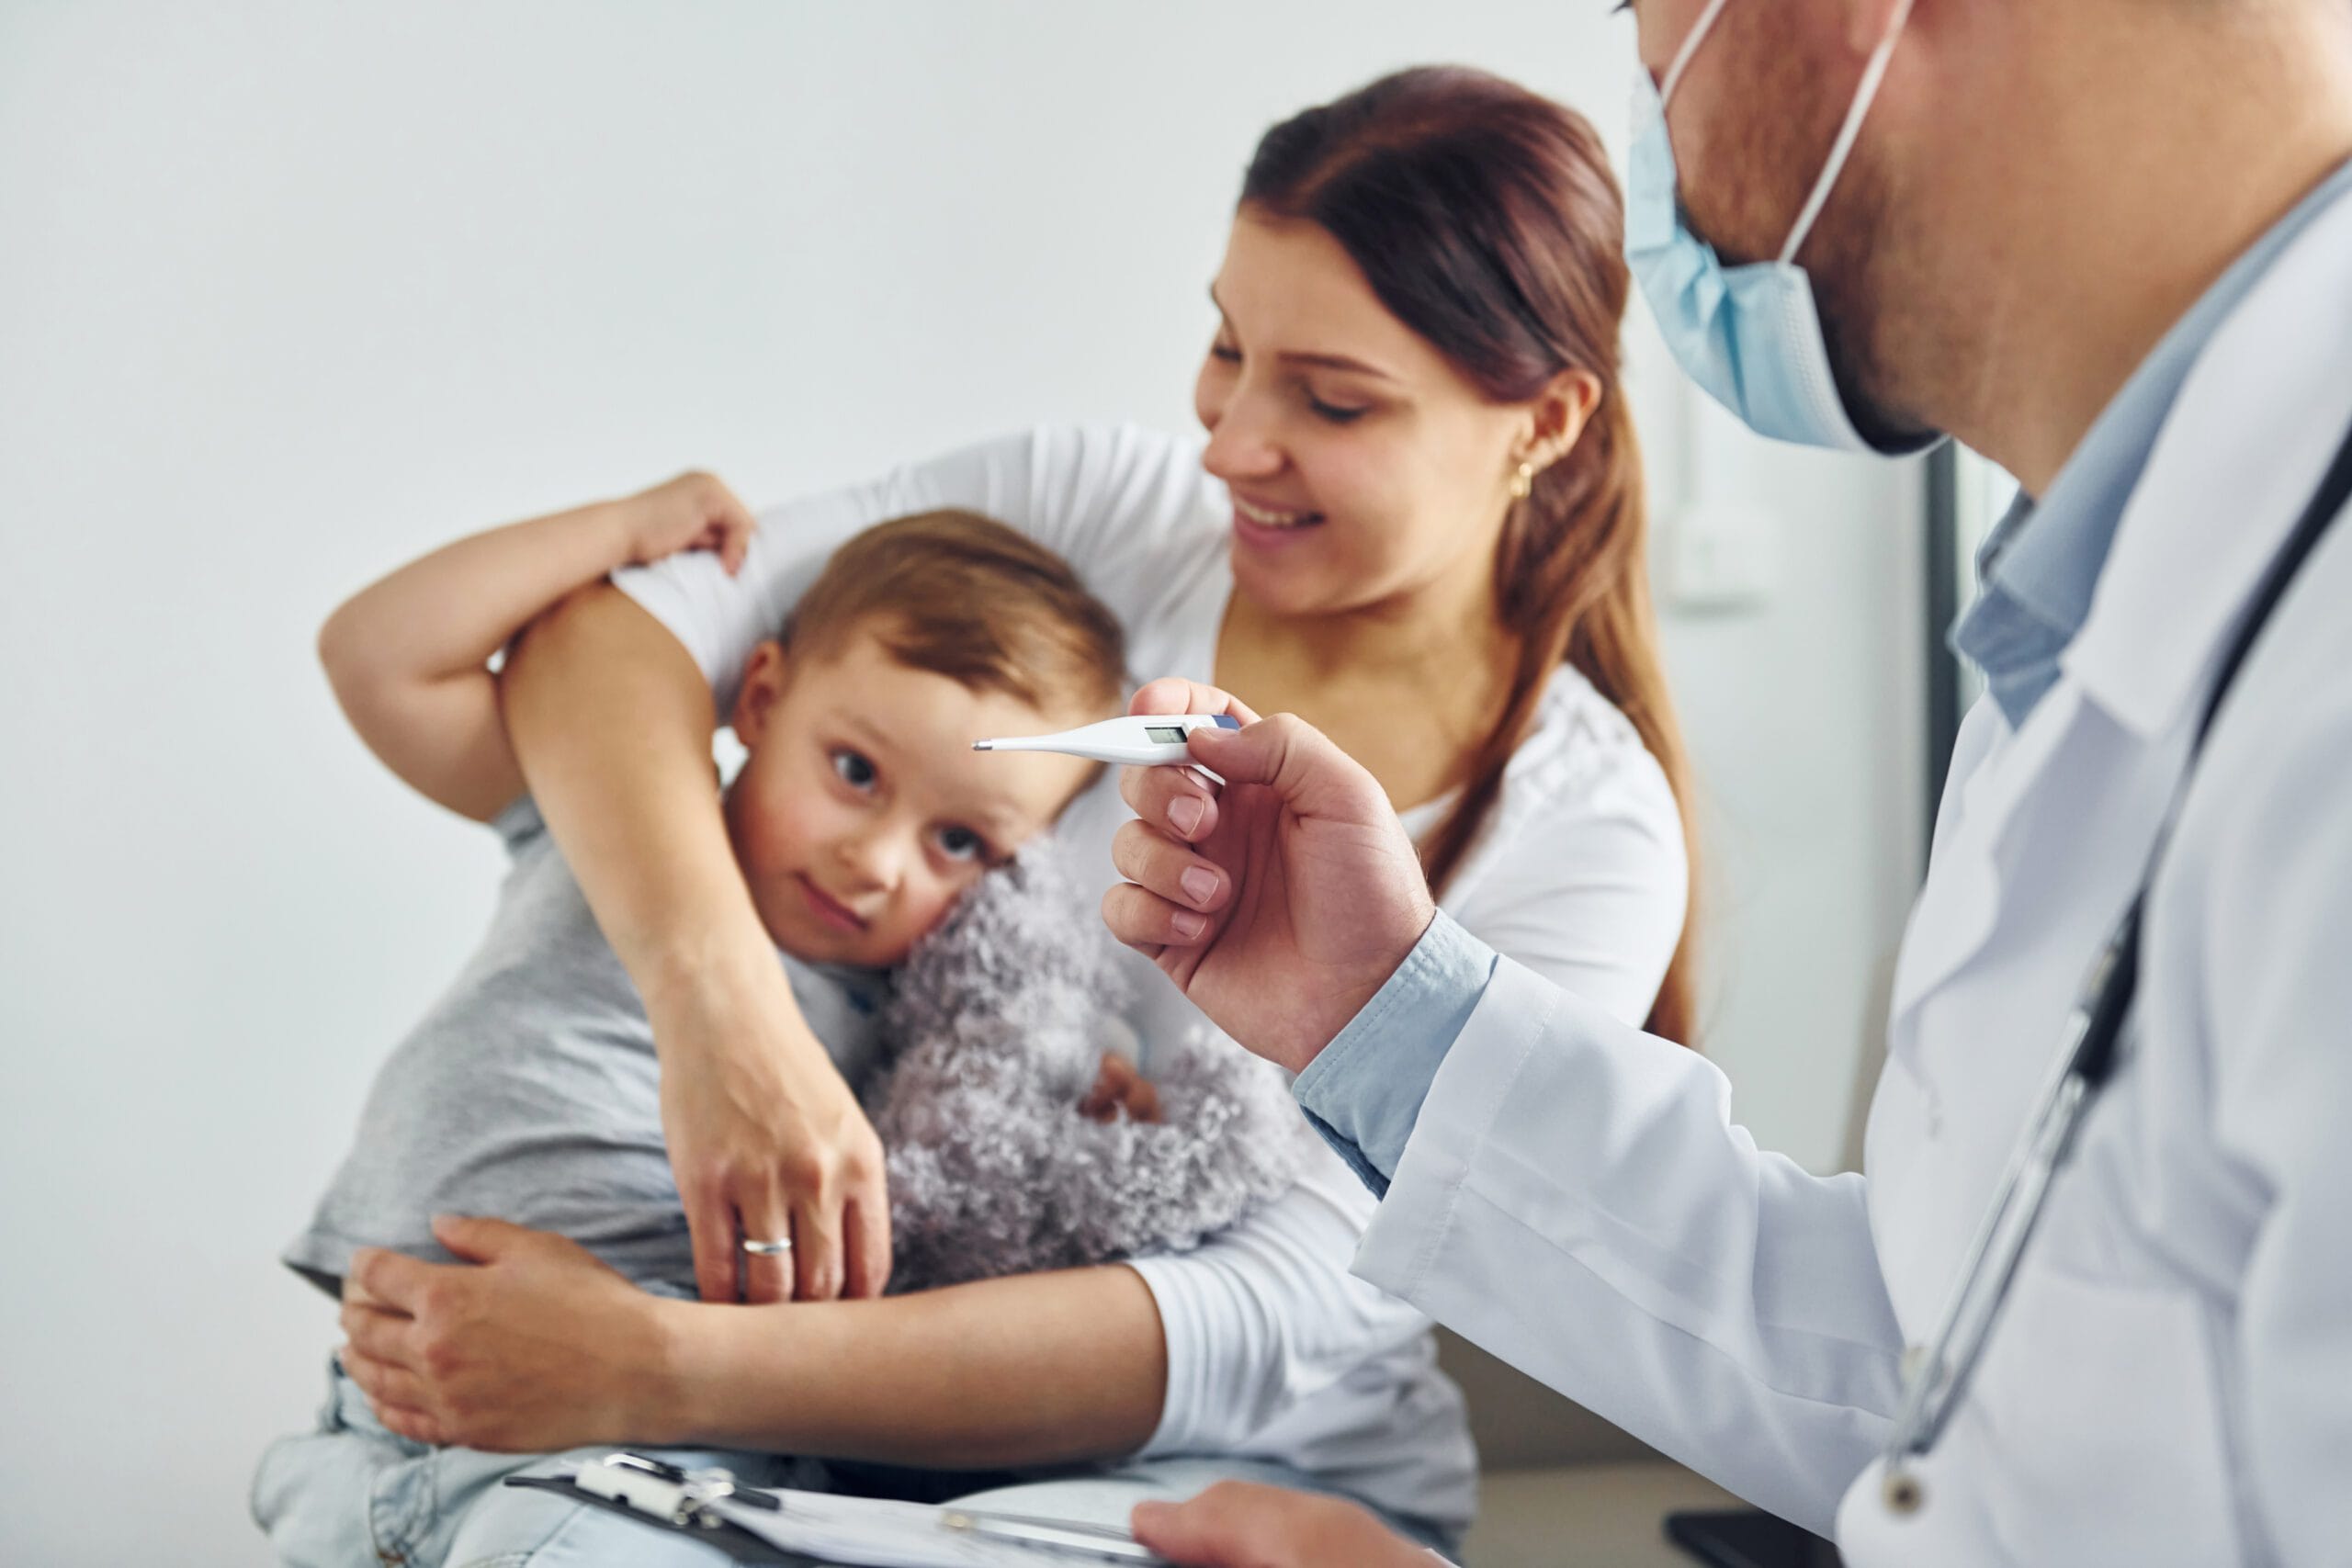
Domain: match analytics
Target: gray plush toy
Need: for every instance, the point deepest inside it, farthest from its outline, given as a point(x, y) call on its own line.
point(994, 1033)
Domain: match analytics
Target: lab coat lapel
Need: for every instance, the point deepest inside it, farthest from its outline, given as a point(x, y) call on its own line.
point(1956, 909)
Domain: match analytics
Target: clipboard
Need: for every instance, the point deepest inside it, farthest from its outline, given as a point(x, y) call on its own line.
point(815, 1529)
point(737, 1542)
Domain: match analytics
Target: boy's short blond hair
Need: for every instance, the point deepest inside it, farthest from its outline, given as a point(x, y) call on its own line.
point(958, 594)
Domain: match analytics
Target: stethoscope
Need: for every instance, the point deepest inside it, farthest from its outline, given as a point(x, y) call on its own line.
point(1937, 1375)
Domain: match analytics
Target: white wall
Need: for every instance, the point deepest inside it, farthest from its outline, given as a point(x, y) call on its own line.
point(289, 293)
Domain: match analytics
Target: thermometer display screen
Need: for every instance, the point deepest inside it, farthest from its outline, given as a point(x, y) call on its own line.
point(1164, 734)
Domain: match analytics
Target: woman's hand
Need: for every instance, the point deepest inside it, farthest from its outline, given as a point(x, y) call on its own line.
point(1280, 905)
point(532, 1347)
point(693, 511)
point(1238, 1525)
point(768, 1143)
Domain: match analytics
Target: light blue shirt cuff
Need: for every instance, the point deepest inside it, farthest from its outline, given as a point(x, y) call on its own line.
point(1363, 1092)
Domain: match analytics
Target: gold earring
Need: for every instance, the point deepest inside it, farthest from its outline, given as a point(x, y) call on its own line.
point(1522, 481)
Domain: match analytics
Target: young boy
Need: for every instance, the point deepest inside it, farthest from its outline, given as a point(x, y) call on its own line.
point(531, 1091)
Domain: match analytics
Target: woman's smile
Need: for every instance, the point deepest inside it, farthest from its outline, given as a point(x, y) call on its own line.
point(1269, 527)
point(1266, 516)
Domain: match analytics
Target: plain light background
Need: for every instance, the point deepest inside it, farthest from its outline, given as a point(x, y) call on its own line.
point(289, 293)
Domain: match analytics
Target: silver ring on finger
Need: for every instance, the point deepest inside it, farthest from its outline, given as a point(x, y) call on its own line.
point(781, 1248)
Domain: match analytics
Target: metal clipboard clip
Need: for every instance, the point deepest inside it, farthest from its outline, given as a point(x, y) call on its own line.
point(676, 1495)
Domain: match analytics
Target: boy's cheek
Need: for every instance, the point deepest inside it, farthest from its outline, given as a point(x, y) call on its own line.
point(924, 909)
point(782, 829)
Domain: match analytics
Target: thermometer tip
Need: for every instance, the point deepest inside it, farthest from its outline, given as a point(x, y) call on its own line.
point(983, 745)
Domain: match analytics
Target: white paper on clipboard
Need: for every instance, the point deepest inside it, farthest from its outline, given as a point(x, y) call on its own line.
point(854, 1532)
point(868, 1533)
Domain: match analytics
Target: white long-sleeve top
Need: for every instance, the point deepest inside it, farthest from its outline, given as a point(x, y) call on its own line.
point(1275, 1350)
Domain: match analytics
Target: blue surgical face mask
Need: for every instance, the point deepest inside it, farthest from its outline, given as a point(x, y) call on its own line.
point(1748, 334)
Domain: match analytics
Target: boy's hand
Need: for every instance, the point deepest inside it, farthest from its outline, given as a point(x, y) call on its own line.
point(1118, 1088)
point(693, 511)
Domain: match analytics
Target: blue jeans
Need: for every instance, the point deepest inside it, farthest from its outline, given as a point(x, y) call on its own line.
point(349, 1494)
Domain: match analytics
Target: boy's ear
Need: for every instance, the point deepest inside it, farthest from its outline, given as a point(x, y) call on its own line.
point(765, 675)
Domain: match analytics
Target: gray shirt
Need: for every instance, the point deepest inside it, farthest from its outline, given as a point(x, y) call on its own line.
point(531, 1092)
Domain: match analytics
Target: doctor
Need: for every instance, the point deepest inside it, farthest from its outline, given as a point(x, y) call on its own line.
point(2109, 243)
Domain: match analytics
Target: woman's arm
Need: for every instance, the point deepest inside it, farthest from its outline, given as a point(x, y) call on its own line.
point(1197, 1352)
point(408, 656)
point(612, 722)
point(1117, 502)
point(1036, 1368)
point(536, 1346)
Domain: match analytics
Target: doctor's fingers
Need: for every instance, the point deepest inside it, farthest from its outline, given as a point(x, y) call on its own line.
point(1158, 864)
point(1238, 1524)
point(1150, 924)
point(1178, 797)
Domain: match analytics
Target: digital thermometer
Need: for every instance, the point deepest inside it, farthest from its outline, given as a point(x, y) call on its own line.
point(1138, 740)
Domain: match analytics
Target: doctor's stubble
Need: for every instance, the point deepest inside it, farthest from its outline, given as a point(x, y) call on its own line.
point(1753, 122)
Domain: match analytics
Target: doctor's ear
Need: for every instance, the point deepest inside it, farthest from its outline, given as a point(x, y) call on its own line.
point(765, 675)
point(1556, 418)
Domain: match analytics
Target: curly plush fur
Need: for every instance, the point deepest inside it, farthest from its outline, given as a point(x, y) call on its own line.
point(996, 1028)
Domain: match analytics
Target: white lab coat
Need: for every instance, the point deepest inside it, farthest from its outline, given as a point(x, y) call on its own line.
point(2171, 1381)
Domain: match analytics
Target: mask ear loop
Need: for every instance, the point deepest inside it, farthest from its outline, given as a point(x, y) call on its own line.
point(1872, 75)
point(1682, 60)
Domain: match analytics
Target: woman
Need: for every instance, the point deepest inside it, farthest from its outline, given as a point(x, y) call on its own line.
point(1416, 522)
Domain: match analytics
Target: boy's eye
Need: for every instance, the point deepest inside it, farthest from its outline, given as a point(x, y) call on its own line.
point(853, 769)
point(962, 845)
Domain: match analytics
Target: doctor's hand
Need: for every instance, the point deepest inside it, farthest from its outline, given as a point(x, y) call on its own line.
point(1279, 904)
point(533, 1345)
point(1238, 1525)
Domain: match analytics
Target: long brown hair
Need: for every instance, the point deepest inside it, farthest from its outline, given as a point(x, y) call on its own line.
point(1485, 219)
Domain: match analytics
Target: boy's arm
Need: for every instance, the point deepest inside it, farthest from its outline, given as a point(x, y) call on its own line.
point(408, 656)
